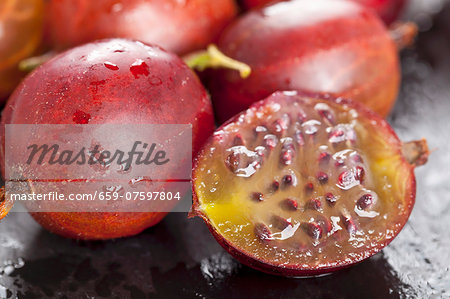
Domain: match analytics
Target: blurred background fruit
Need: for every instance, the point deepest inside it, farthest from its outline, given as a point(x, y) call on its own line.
point(20, 37)
point(388, 10)
point(325, 46)
point(178, 26)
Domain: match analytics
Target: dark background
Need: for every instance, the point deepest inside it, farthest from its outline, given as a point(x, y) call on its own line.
point(179, 257)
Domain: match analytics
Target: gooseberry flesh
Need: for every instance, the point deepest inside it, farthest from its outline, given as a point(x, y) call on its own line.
point(308, 225)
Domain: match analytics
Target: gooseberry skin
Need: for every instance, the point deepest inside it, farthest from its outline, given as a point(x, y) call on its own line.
point(178, 26)
point(328, 46)
point(22, 25)
point(388, 10)
point(98, 83)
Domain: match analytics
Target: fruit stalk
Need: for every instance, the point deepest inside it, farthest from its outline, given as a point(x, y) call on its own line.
point(416, 152)
point(29, 64)
point(403, 34)
point(212, 57)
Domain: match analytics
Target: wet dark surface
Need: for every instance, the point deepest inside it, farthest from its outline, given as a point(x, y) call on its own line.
point(179, 257)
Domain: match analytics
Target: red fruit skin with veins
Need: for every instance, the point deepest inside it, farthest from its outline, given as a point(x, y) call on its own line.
point(388, 10)
point(100, 83)
point(328, 46)
point(178, 26)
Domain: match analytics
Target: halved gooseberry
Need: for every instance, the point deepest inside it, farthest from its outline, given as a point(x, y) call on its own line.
point(314, 184)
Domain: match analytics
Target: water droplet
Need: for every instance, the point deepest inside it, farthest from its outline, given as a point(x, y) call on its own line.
point(287, 151)
point(311, 126)
point(331, 198)
point(280, 125)
point(365, 201)
point(347, 180)
point(139, 68)
point(134, 182)
point(313, 230)
point(124, 169)
point(111, 66)
point(9, 266)
point(263, 232)
point(155, 81)
point(80, 117)
point(288, 180)
point(280, 222)
point(117, 188)
point(349, 224)
point(364, 204)
point(325, 112)
point(299, 138)
point(342, 133)
point(260, 129)
point(242, 161)
point(271, 141)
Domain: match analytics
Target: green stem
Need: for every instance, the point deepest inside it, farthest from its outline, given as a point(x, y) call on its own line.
point(29, 64)
point(213, 58)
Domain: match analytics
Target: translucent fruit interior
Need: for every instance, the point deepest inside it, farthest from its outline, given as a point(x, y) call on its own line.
point(304, 183)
